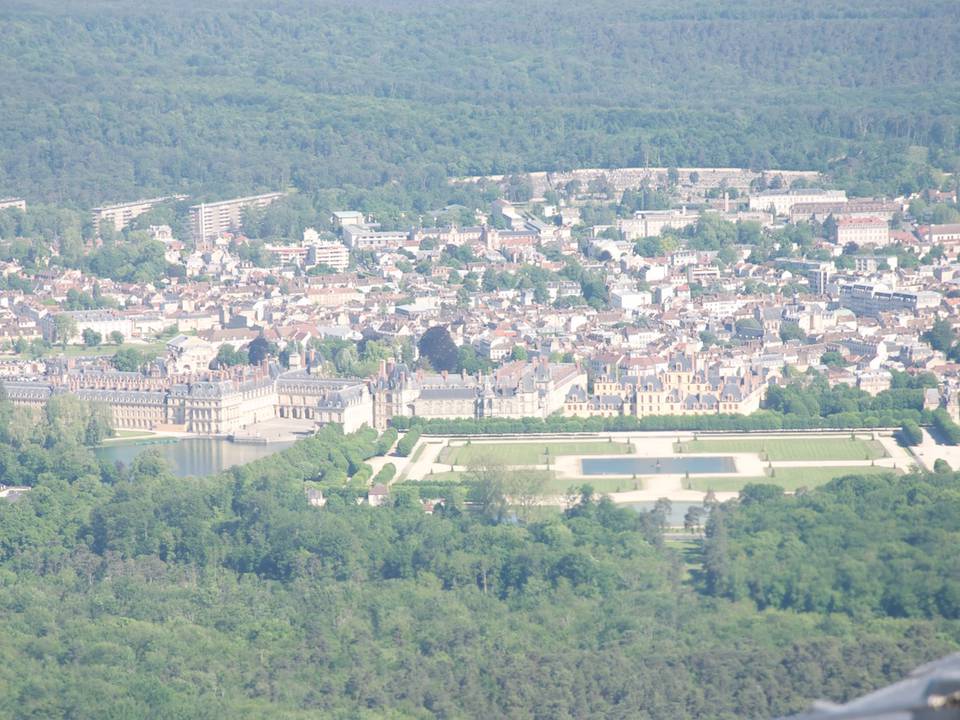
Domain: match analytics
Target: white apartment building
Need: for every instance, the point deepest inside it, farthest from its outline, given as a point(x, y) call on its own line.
point(652, 222)
point(781, 201)
point(361, 237)
point(630, 299)
point(329, 253)
point(862, 231)
point(209, 220)
point(941, 234)
point(875, 298)
point(121, 215)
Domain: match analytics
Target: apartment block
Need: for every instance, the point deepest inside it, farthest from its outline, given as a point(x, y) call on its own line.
point(782, 201)
point(862, 231)
point(652, 222)
point(209, 220)
point(120, 215)
point(329, 253)
point(873, 299)
point(363, 237)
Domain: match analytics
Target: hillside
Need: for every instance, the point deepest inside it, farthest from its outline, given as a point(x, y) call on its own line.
point(111, 101)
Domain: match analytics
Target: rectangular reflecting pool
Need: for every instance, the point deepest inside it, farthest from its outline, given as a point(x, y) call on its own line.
point(658, 466)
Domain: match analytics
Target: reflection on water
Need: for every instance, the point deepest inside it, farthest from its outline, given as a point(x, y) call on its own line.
point(192, 456)
point(653, 465)
point(677, 510)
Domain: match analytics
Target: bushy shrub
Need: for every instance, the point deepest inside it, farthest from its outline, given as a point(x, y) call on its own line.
point(407, 442)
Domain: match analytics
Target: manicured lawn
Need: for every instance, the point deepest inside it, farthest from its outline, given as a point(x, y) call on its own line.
point(129, 435)
point(787, 478)
point(560, 486)
point(778, 449)
point(453, 477)
point(133, 433)
point(418, 453)
point(527, 453)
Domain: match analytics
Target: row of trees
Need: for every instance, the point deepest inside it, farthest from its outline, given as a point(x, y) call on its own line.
point(949, 430)
point(408, 442)
point(762, 420)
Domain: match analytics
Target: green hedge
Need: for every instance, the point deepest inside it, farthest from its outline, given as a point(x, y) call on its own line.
point(758, 421)
point(910, 433)
point(386, 441)
point(407, 442)
point(329, 457)
point(363, 475)
point(386, 474)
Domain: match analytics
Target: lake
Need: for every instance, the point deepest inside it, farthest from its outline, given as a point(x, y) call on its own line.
point(191, 456)
point(699, 465)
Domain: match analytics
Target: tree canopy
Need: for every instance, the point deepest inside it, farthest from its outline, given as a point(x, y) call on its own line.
point(219, 101)
point(131, 592)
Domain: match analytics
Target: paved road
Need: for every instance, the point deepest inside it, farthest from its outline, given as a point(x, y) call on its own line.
point(928, 452)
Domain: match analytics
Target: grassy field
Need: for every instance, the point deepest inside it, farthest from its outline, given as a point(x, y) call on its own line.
point(130, 434)
point(458, 476)
point(527, 453)
point(418, 453)
point(787, 478)
point(778, 449)
point(453, 477)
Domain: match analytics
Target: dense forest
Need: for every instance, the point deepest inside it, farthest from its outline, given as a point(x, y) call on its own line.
point(861, 546)
point(374, 104)
point(128, 592)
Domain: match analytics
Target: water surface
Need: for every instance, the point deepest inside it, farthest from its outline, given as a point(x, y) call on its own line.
point(698, 465)
point(191, 456)
point(678, 510)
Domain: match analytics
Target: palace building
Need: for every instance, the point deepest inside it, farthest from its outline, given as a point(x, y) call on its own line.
point(516, 390)
point(685, 387)
point(225, 402)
